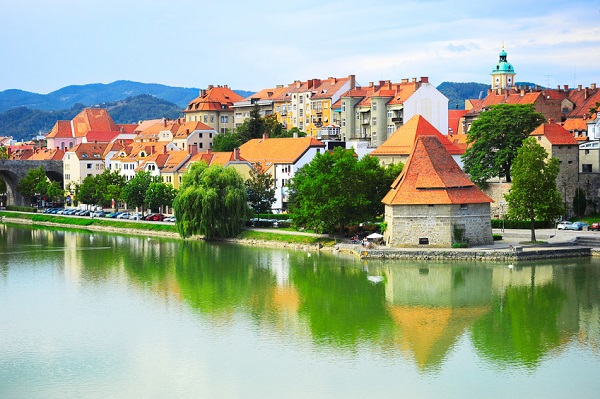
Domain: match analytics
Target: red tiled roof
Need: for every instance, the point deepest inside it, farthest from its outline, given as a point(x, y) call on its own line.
point(403, 139)
point(556, 134)
point(101, 137)
point(454, 117)
point(432, 177)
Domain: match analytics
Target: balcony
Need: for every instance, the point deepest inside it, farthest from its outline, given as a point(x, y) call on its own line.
point(283, 113)
point(365, 121)
point(397, 119)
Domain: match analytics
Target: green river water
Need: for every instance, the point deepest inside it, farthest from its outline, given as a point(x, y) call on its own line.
point(87, 315)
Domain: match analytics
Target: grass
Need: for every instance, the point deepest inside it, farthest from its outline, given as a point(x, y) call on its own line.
point(87, 221)
point(293, 239)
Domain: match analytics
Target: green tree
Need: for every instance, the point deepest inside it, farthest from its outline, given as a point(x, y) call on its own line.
point(580, 202)
point(34, 182)
point(290, 133)
point(260, 189)
point(55, 192)
point(494, 139)
point(211, 202)
point(88, 191)
point(336, 189)
point(109, 187)
point(3, 153)
point(253, 127)
point(134, 192)
point(159, 195)
point(226, 142)
point(534, 194)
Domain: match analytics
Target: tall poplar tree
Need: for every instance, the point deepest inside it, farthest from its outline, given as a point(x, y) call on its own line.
point(534, 195)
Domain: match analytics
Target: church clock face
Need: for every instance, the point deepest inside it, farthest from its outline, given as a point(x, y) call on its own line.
point(509, 80)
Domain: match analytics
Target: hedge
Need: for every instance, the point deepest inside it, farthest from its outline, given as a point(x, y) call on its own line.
point(520, 224)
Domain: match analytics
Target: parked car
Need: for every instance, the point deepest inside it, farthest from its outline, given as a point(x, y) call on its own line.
point(148, 216)
point(564, 225)
point(98, 214)
point(135, 216)
point(595, 226)
point(156, 217)
point(113, 215)
point(169, 219)
point(123, 215)
point(578, 226)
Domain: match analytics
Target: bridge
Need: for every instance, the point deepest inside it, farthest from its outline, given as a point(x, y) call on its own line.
point(13, 171)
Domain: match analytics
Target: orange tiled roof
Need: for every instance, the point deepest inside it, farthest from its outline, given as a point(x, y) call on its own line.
point(267, 94)
point(578, 124)
point(277, 150)
point(329, 87)
point(187, 128)
point(46, 154)
point(505, 98)
point(403, 139)
point(61, 130)
point(127, 127)
point(90, 151)
point(556, 134)
point(432, 177)
point(93, 119)
point(216, 98)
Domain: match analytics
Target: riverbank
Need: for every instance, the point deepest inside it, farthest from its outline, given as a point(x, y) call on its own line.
point(513, 246)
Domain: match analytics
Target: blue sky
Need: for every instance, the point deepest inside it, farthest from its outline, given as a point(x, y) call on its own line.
point(250, 45)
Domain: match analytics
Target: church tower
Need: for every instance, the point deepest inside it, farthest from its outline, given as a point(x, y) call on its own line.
point(503, 75)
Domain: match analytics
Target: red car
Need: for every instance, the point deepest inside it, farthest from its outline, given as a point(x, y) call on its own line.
point(595, 226)
point(156, 217)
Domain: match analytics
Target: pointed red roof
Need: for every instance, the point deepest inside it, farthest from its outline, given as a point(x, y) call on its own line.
point(403, 139)
point(431, 176)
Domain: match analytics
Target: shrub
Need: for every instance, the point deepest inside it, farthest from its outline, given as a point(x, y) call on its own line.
point(520, 224)
point(497, 237)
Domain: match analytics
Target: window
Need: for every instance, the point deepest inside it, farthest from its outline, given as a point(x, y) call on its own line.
point(89, 166)
point(343, 106)
point(374, 106)
point(357, 115)
point(390, 129)
point(301, 99)
point(238, 115)
point(277, 109)
point(390, 114)
point(301, 113)
point(67, 177)
point(586, 168)
point(463, 207)
point(587, 152)
point(343, 122)
point(212, 119)
point(374, 121)
point(224, 119)
point(205, 118)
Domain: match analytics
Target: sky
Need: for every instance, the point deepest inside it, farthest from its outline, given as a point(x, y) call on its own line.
point(256, 44)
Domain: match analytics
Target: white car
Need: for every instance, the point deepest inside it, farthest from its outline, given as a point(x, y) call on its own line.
point(124, 215)
point(564, 225)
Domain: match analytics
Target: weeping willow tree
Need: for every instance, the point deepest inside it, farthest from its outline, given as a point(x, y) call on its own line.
point(211, 202)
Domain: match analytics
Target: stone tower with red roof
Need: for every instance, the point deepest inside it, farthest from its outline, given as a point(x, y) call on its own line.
point(434, 203)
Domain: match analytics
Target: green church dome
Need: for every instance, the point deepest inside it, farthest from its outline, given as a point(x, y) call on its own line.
point(503, 66)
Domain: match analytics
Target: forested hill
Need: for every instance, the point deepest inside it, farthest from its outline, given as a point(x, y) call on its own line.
point(97, 93)
point(457, 93)
point(23, 123)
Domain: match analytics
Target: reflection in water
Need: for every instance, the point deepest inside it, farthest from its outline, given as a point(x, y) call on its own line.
point(420, 312)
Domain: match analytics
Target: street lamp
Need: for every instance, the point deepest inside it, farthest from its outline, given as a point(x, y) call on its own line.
point(502, 203)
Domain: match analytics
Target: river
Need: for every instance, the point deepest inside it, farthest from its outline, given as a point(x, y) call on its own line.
point(91, 315)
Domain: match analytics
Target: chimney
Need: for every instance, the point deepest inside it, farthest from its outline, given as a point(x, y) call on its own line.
point(405, 80)
point(522, 92)
point(352, 81)
point(370, 84)
point(164, 122)
point(551, 120)
point(593, 86)
point(424, 79)
point(265, 136)
point(164, 149)
point(414, 80)
point(578, 87)
point(566, 87)
point(295, 134)
point(586, 93)
point(382, 83)
point(236, 154)
point(298, 84)
point(210, 87)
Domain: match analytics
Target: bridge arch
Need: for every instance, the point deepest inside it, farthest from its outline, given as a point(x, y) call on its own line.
point(12, 171)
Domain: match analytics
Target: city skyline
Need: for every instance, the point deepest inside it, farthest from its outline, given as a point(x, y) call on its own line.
point(254, 45)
